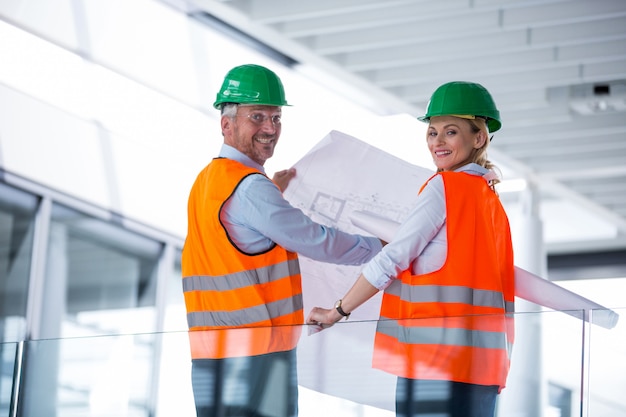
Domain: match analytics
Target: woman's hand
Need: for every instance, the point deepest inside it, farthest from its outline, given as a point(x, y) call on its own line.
point(324, 317)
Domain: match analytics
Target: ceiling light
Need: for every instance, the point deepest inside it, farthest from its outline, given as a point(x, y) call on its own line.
point(589, 99)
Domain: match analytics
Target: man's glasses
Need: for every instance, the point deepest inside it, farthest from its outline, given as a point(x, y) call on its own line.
point(260, 118)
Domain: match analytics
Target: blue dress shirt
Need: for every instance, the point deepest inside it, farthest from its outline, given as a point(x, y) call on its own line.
point(257, 216)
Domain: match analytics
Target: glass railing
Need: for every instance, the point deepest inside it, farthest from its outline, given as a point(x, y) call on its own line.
point(561, 366)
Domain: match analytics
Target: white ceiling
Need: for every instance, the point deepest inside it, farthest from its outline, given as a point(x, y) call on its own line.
point(548, 64)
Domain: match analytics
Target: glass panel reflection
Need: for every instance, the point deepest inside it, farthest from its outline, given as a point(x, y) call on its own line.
point(98, 376)
point(8, 353)
point(110, 375)
point(336, 365)
point(607, 368)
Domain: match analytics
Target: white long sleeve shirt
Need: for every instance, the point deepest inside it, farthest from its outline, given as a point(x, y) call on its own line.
point(420, 243)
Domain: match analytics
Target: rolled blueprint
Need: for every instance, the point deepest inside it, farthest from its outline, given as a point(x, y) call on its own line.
point(528, 286)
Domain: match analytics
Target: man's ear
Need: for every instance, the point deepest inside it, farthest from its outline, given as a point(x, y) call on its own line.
point(226, 123)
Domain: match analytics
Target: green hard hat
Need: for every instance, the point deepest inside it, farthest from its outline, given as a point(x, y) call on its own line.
point(251, 84)
point(460, 98)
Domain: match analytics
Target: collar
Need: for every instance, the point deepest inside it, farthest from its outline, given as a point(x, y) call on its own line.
point(229, 152)
point(475, 169)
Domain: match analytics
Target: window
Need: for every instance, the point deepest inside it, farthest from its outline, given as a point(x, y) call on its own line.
point(97, 320)
point(17, 218)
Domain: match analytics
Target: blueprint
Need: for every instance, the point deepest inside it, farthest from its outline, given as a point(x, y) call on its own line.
point(341, 176)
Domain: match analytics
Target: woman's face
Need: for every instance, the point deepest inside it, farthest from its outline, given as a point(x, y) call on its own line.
point(452, 142)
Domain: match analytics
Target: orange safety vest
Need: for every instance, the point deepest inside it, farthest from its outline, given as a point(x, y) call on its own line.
point(452, 324)
point(238, 304)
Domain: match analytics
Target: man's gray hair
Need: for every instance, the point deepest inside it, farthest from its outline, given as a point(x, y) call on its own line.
point(229, 109)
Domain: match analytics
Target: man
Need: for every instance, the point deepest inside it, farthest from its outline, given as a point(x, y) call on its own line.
point(241, 276)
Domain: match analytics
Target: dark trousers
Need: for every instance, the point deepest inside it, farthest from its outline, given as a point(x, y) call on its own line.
point(444, 398)
point(255, 386)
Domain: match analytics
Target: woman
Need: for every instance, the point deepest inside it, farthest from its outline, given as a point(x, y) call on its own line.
point(448, 275)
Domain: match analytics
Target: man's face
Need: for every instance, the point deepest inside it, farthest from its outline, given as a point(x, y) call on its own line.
point(254, 131)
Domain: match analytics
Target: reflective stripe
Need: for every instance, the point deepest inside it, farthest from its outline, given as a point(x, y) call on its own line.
point(245, 341)
point(245, 316)
point(446, 294)
point(241, 279)
point(442, 336)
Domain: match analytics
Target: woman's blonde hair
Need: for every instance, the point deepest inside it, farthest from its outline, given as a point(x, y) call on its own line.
point(479, 157)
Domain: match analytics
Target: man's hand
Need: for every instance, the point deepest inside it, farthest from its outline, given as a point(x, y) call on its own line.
point(282, 178)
